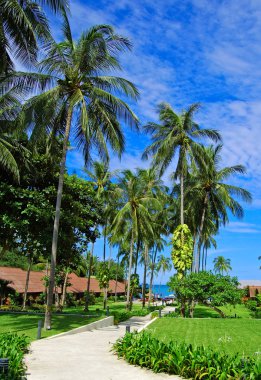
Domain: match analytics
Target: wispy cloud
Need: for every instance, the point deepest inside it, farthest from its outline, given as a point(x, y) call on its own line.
point(243, 228)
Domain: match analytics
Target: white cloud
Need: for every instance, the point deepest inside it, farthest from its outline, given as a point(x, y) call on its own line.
point(243, 228)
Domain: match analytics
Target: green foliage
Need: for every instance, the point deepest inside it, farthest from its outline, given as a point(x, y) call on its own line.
point(208, 288)
point(104, 276)
point(222, 265)
point(14, 259)
point(121, 316)
point(184, 359)
point(26, 217)
point(251, 305)
point(182, 249)
point(13, 347)
point(14, 298)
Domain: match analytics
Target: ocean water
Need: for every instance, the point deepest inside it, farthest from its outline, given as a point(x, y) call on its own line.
point(162, 290)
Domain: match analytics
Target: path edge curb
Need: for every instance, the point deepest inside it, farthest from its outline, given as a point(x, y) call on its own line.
point(105, 322)
point(147, 324)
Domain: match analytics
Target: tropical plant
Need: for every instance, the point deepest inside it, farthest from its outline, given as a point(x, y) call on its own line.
point(135, 210)
point(176, 135)
point(221, 265)
point(23, 24)
point(14, 347)
point(106, 192)
point(164, 265)
point(210, 195)
point(186, 360)
point(182, 250)
point(84, 99)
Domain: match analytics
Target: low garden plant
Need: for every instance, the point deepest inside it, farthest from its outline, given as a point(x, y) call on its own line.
point(13, 347)
point(184, 359)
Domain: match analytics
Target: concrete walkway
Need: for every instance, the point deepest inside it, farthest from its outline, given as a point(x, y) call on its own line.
point(86, 356)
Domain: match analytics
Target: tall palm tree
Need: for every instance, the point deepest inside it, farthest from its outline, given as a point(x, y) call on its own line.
point(135, 209)
point(84, 99)
point(23, 24)
point(164, 265)
point(101, 178)
point(213, 195)
point(176, 135)
point(222, 265)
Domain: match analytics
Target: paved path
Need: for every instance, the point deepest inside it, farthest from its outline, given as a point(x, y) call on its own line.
point(86, 356)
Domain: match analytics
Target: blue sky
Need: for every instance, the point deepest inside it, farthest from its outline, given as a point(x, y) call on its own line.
point(194, 51)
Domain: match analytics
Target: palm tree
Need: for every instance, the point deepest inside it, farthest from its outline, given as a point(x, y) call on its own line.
point(135, 209)
point(208, 188)
point(14, 88)
point(84, 99)
point(222, 265)
point(23, 24)
point(101, 179)
point(176, 135)
point(164, 265)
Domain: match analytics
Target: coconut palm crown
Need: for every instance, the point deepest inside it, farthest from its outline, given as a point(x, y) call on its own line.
point(176, 135)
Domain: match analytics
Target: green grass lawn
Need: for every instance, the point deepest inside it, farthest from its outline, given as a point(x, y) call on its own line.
point(229, 335)
point(205, 312)
point(98, 308)
point(27, 324)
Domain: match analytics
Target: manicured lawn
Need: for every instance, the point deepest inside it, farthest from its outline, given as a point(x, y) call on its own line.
point(98, 308)
point(205, 312)
point(230, 335)
point(27, 324)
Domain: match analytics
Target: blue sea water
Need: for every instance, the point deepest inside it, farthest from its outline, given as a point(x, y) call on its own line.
point(162, 290)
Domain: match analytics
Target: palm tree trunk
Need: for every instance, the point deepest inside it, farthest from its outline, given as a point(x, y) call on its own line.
point(220, 312)
point(64, 289)
point(206, 255)
point(137, 256)
point(87, 299)
point(48, 312)
point(182, 198)
point(130, 267)
point(152, 275)
point(104, 241)
point(144, 275)
point(116, 279)
point(194, 256)
point(203, 258)
point(200, 233)
point(27, 282)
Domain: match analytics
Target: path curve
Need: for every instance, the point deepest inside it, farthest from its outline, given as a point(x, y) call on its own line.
point(86, 356)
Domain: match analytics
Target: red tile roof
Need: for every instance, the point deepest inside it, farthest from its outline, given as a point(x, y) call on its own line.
point(254, 290)
point(17, 277)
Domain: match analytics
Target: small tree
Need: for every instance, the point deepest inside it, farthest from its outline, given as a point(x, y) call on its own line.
point(212, 290)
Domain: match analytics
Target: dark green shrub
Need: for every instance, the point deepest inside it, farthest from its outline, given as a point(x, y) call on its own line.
point(92, 298)
point(70, 300)
point(251, 305)
point(173, 314)
point(37, 307)
point(257, 313)
point(13, 347)
point(184, 360)
point(120, 316)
